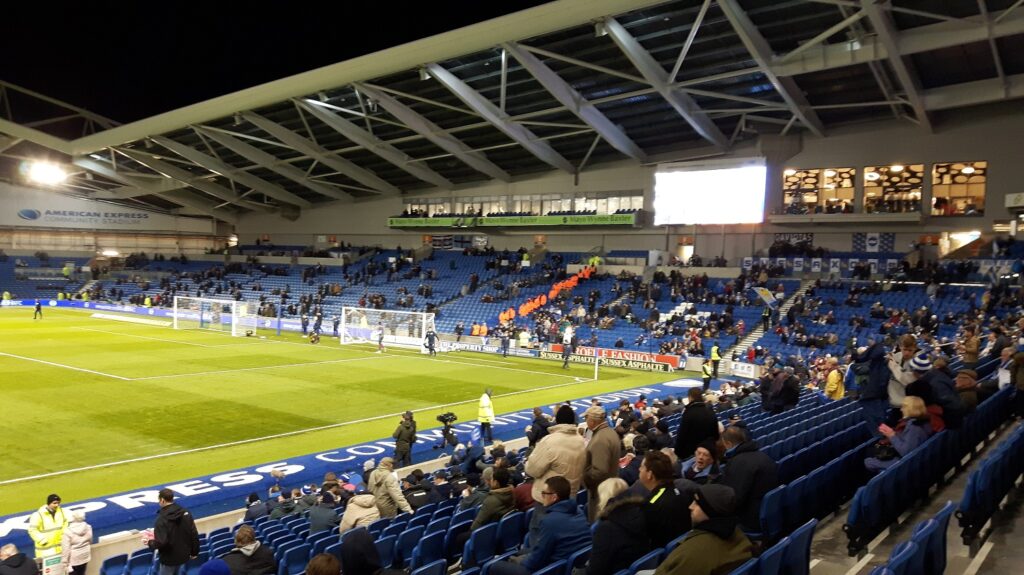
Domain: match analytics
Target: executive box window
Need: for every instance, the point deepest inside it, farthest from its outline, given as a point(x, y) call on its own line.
point(426, 207)
point(818, 190)
point(958, 188)
point(609, 202)
point(893, 189)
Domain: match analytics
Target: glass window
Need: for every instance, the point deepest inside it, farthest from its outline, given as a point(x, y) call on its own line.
point(958, 188)
point(818, 190)
point(893, 189)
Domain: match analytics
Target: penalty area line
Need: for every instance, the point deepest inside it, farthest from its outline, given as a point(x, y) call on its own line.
point(71, 367)
point(280, 435)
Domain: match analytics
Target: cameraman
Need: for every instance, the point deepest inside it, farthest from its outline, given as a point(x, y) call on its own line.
point(447, 435)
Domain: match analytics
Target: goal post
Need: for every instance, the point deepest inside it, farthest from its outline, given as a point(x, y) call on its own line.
point(223, 315)
point(400, 328)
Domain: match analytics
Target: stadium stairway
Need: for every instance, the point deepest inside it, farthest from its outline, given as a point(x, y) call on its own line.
point(755, 334)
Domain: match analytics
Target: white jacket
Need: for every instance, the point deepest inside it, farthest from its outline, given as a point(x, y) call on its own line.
point(76, 544)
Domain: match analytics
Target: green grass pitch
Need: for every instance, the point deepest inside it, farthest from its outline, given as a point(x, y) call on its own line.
point(79, 392)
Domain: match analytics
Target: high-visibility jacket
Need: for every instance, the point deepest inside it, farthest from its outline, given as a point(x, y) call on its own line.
point(46, 531)
point(715, 354)
point(483, 330)
point(485, 412)
point(475, 330)
point(708, 371)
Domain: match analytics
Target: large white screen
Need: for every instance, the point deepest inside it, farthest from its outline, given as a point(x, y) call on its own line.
point(711, 196)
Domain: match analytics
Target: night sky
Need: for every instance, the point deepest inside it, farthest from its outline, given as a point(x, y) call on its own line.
point(131, 60)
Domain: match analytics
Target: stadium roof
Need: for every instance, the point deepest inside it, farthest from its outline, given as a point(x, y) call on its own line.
point(563, 86)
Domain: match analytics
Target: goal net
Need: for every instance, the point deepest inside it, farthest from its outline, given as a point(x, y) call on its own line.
point(222, 315)
point(399, 328)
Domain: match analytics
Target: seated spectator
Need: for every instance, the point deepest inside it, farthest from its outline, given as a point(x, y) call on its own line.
point(935, 386)
point(665, 511)
point(750, 473)
point(912, 430)
point(716, 544)
point(966, 382)
point(254, 508)
point(563, 531)
point(13, 562)
point(285, 505)
point(442, 490)
point(249, 557)
point(620, 536)
point(472, 495)
point(361, 511)
point(323, 564)
point(498, 501)
point(704, 468)
point(322, 516)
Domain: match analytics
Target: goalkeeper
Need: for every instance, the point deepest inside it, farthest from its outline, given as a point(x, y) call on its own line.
point(430, 341)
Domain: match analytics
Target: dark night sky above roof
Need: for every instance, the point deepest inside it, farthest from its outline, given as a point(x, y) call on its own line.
point(130, 60)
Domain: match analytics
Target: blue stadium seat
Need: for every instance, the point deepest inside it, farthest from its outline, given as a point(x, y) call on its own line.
point(481, 545)
point(386, 550)
point(436, 568)
point(294, 561)
point(770, 561)
point(378, 526)
point(556, 568)
point(116, 565)
point(904, 559)
point(451, 550)
point(405, 544)
point(438, 525)
point(648, 561)
point(138, 565)
point(797, 558)
point(578, 560)
point(935, 554)
point(773, 516)
point(748, 568)
point(510, 531)
point(429, 549)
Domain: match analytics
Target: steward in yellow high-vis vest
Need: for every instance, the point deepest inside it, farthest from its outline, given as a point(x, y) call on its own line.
point(46, 527)
point(485, 414)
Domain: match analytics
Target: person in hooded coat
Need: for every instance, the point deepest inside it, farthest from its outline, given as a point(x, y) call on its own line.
point(716, 544)
point(254, 508)
point(13, 562)
point(322, 516)
point(620, 536)
point(174, 534)
point(76, 544)
point(249, 557)
point(361, 511)
point(359, 556)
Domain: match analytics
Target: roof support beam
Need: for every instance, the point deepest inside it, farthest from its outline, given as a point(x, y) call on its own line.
point(820, 38)
point(313, 150)
point(762, 53)
point(270, 162)
point(885, 28)
point(926, 38)
point(574, 101)
point(190, 200)
point(974, 93)
point(218, 167)
point(374, 144)
point(434, 133)
point(655, 75)
point(188, 178)
point(522, 135)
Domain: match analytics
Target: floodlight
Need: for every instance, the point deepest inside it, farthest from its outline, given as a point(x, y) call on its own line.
point(46, 173)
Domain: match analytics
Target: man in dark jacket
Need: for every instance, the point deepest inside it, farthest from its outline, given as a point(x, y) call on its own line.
point(174, 534)
point(698, 424)
point(12, 562)
point(935, 387)
point(667, 510)
point(874, 394)
point(405, 437)
point(750, 473)
point(250, 557)
point(498, 501)
point(442, 490)
point(285, 505)
point(563, 531)
point(322, 516)
point(254, 508)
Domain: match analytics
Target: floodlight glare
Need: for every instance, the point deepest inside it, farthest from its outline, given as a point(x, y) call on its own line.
point(46, 173)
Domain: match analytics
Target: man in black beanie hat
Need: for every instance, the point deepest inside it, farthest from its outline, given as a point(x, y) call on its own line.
point(716, 544)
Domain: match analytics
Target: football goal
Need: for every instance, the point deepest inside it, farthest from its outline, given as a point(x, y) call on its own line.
point(222, 315)
point(400, 328)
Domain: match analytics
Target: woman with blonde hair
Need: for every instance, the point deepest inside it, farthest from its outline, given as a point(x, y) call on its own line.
point(912, 430)
point(621, 533)
point(76, 544)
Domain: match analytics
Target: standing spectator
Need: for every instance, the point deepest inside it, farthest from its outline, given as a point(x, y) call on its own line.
point(603, 454)
point(707, 371)
point(385, 490)
point(563, 531)
point(485, 414)
point(970, 347)
point(12, 562)
point(834, 388)
point(561, 453)
point(935, 386)
point(76, 544)
point(174, 534)
point(46, 527)
point(900, 375)
point(361, 511)
point(620, 536)
point(665, 512)
point(874, 393)
point(716, 357)
point(538, 427)
point(716, 544)
point(750, 473)
point(322, 516)
point(249, 556)
point(405, 437)
point(698, 424)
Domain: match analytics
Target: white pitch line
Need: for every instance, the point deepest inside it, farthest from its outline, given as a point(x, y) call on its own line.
point(278, 435)
point(222, 371)
point(489, 366)
point(161, 339)
point(71, 367)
